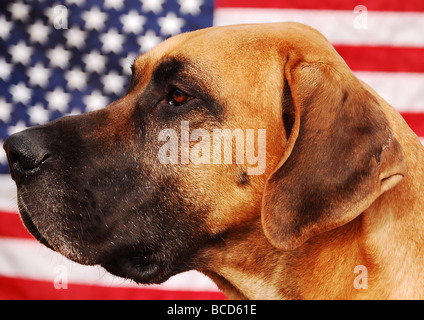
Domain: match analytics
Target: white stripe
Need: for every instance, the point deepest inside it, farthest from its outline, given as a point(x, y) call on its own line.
point(339, 26)
point(404, 91)
point(7, 194)
point(28, 259)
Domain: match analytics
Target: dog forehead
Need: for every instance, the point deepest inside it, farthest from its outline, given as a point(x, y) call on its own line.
point(233, 48)
point(212, 43)
point(239, 65)
point(227, 46)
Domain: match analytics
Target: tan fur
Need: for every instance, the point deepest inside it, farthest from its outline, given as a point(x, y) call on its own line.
point(387, 238)
point(342, 187)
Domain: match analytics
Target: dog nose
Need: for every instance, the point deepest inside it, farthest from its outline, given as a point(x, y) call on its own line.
point(25, 154)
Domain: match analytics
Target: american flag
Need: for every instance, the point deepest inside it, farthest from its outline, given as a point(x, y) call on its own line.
point(73, 56)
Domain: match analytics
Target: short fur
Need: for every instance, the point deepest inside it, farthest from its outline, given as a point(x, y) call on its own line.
point(342, 187)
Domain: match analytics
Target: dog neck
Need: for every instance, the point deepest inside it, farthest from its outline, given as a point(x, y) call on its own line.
point(378, 255)
point(370, 257)
point(393, 229)
point(243, 264)
point(248, 267)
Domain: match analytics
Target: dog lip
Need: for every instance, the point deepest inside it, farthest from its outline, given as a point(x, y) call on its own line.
point(30, 226)
point(136, 266)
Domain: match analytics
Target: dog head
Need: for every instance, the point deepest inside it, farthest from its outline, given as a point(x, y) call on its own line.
point(139, 187)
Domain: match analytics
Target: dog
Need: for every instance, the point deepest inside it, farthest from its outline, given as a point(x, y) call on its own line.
point(337, 213)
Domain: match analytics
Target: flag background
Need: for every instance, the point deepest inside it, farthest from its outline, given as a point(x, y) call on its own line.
point(47, 71)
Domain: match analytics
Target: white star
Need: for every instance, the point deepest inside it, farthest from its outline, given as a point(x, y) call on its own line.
point(95, 101)
point(5, 69)
point(6, 26)
point(116, 4)
point(20, 126)
point(112, 41)
point(58, 99)
point(38, 32)
point(5, 110)
point(3, 157)
point(113, 83)
point(190, 6)
point(74, 112)
point(59, 57)
point(21, 53)
point(171, 24)
point(20, 93)
point(38, 114)
point(132, 22)
point(38, 75)
point(149, 40)
point(94, 61)
point(75, 37)
point(154, 6)
point(77, 79)
point(19, 11)
point(94, 19)
point(50, 14)
point(127, 62)
point(79, 3)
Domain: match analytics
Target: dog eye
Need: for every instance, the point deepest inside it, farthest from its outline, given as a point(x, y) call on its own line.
point(177, 97)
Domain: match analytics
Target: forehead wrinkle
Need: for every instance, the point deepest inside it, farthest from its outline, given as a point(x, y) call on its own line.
point(183, 69)
point(140, 72)
point(167, 69)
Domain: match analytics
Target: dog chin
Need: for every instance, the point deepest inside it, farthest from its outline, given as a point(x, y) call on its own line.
point(30, 226)
point(129, 261)
point(138, 267)
point(56, 241)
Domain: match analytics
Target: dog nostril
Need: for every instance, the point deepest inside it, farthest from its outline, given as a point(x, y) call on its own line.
point(24, 154)
point(24, 160)
point(27, 160)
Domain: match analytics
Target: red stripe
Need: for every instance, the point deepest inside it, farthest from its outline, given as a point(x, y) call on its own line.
point(12, 226)
point(377, 5)
point(392, 59)
point(415, 121)
point(24, 289)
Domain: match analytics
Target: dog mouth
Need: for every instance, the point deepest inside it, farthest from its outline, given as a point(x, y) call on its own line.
point(27, 221)
point(137, 266)
point(144, 262)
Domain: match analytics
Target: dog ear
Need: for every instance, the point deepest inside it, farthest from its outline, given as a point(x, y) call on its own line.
point(340, 155)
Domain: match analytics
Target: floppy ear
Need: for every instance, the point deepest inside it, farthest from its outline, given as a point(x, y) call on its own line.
point(340, 156)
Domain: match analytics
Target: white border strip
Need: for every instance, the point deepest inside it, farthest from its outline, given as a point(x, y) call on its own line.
point(383, 28)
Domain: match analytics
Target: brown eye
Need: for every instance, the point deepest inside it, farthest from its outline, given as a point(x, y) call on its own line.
point(178, 97)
